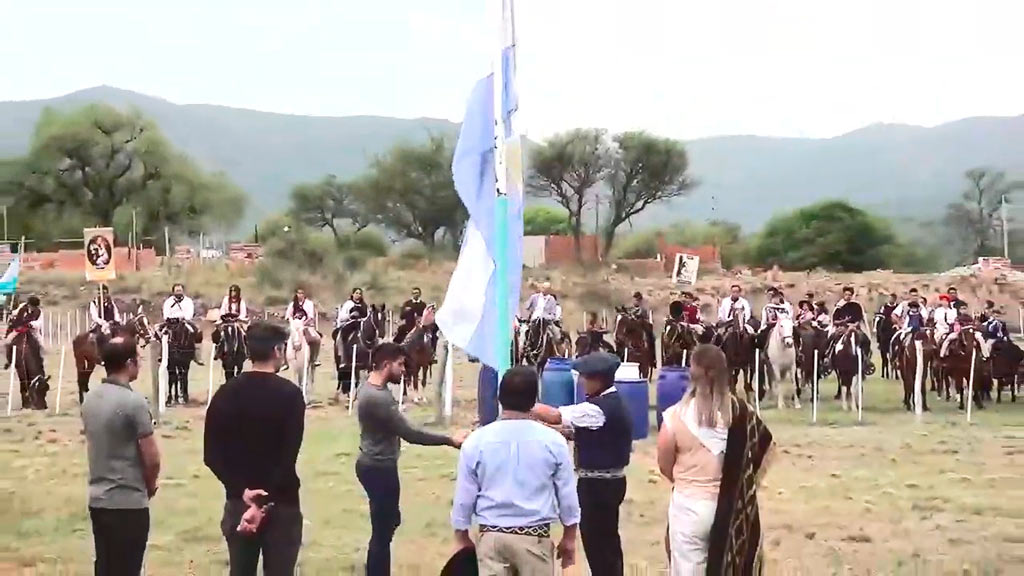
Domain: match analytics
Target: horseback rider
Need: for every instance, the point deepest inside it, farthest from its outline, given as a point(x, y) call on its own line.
point(232, 310)
point(639, 311)
point(848, 313)
point(410, 315)
point(302, 308)
point(822, 318)
point(104, 315)
point(993, 328)
point(954, 298)
point(886, 310)
point(770, 314)
point(180, 308)
point(963, 320)
point(805, 312)
point(734, 301)
point(543, 307)
point(943, 317)
point(27, 317)
point(595, 334)
point(899, 314)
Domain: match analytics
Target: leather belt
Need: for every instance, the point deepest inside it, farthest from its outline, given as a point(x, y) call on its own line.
point(613, 473)
point(537, 531)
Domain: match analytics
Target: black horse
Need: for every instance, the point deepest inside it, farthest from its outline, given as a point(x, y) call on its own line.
point(884, 331)
point(231, 347)
point(32, 376)
point(364, 337)
point(181, 346)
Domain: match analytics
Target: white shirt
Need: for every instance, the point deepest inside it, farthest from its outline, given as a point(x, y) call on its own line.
point(243, 313)
point(725, 309)
point(307, 306)
point(944, 319)
point(94, 314)
point(184, 310)
point(585, 414)
point(902, 311)
point(344, 313)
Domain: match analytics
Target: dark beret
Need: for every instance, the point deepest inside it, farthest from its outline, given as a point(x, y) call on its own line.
point(596, 364)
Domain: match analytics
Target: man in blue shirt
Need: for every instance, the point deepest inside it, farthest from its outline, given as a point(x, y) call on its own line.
point(603, 434)
point(516, 477)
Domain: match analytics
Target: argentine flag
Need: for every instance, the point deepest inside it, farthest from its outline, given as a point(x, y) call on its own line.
point(469, 315)
point(9, 281)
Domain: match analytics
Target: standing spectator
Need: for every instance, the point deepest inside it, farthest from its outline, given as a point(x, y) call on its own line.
point(516, 477)
point(603, 435)
point(381, 429)
point(254, 430)
point(712, 447)
point(124, 462)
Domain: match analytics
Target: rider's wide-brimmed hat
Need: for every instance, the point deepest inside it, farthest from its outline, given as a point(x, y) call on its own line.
point(597, 364)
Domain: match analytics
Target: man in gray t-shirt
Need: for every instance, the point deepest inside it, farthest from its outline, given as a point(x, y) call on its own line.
point(124, 462)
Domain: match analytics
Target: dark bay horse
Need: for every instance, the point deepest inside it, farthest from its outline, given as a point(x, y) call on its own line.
point(364, 338)
point(846, 364)
point(231, 347)
point(538, 345)
point(907, 363)
point(1005, 361)
point(28, 363)
point(588, 341)
point(85, 347)
point(738, 345)
point(631, 342)
point(181, 352)
point(678, 340)
point(956, 366)
point(419, 357)
point(884, 331)
point(809, 338)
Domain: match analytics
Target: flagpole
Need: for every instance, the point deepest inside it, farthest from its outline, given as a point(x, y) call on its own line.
point(504, 327)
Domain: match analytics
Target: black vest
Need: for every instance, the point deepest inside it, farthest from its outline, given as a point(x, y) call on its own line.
point(608, 447)
point(107, 310)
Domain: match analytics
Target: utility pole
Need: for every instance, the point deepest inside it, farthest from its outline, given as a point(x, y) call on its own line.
point(1006, 232)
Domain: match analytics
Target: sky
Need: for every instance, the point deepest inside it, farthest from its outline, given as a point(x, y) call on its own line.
point(679, 68)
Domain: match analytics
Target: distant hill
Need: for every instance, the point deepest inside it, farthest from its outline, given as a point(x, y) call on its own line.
point(898, 170)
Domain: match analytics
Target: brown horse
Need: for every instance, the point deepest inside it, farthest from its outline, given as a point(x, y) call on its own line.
point(28, 363)
point(631, 342)
point(539, 345)
point(419, 356)
point(956, 366)
point(738, 345)
point(809, 338)
point(678, 340)
point(86, 351)
point(1005, 361)
point(907, 366)
point(846, 363)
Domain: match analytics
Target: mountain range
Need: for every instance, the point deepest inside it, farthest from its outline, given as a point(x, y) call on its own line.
point(899, 171)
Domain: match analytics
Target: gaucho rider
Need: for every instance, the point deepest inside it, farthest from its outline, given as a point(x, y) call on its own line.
point(349, 314)
point(734, 303)
point(849, 314)
point(179, 307)
point(770, 314)
point(302, 308)
point(543, 307)
point(640, 312)
point(412, 312)
point(104, 315)
point(232, 309)
point(26, 318)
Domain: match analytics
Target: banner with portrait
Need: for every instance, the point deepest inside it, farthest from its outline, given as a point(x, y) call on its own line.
point(684, 271)
point(99, 254)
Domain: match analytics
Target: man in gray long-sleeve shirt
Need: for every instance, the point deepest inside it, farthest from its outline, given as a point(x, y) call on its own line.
point(381, 429)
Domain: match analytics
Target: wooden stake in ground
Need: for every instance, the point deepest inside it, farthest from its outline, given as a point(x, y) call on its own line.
point(10, 385)
point(970, 382)
point(60, 377)
point(352, 384)
point(860, 385)
point(757, 381)
point(449, 382)
point(919, 381)
point(164, 377)
point(209, 393)
point(814, 389)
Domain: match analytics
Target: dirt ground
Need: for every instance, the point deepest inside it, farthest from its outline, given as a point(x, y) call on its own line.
point(888, 495)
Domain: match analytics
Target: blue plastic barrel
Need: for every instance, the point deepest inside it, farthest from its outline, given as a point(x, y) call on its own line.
point(556, 383)
point(636, 395)
point(673, 382)
point(487, 395)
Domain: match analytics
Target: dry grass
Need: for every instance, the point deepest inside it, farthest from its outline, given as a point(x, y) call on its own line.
point(888, 496)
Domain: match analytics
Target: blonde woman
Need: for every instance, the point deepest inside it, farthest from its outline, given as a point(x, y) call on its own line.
point(712, 447)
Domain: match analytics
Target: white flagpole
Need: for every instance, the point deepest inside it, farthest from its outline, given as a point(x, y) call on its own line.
point(10, 385)
point(60, 375)
point(449, 382)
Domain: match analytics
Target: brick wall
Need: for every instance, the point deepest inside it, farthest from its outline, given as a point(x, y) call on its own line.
point(562, 249)
point(74, 260)
point(710, 259)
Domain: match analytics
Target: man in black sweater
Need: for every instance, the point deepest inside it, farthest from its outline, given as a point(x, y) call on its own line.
point(602, 431)
point(254, 429)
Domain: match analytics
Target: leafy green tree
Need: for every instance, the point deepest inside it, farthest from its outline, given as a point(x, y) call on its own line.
point(568, 168)
point(409, 191)
point(974, 221)
point(96, 164)
point(326, 203)
point(645, 170)
point(830, 234)
point(545, 221)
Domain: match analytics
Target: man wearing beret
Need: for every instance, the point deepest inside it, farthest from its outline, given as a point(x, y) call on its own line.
point(602, 432)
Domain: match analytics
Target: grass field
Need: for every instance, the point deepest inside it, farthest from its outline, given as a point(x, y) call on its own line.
point(886, 496)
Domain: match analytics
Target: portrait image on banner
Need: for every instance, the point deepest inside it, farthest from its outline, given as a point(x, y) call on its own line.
point(684, 271)
point(99, 254)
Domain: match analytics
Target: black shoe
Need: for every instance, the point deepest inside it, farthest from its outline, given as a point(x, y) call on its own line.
point(169, 402)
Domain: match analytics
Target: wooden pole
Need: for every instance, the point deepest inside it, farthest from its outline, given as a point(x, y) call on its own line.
point(919, 381)
point(814, 389)
point(757, 381)
point(449, 381)
point(10, 383)
point(352, 385)
point(60, 379)
point(209, 393)
point(970, 382)
point(860, 386)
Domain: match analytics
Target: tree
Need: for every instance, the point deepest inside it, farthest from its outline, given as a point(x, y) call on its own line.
point(567, 168)
point(830, 234)
point(324, 203)
point(545, 221)
point(409, 190)
point(96, 164)
point(974, 220)
point(645, 170)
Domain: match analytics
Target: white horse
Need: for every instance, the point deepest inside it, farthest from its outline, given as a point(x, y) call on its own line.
point(782, 357)
point(297, 356)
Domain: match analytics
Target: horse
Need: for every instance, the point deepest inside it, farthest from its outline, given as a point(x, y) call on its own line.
point(181, 352)
point(907, 362)
point(781, 352)
point(85, 347)
point(299, 358)
point(738, 345)
point(28, 363)
point(231, 348)
point(846, 363)
point(956, 366)
point(539, 346)
point(364, 338)
point(631, 342)
point(809, 338)
point(884, 331)
point(678, 340)
point(419, 356)
point(1005, 360)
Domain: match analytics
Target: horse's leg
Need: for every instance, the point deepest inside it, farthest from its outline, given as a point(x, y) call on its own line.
point(84, 370)
point(184, 381)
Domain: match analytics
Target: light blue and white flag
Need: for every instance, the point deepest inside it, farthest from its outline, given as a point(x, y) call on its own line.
point(469, 315)
point(9, 281)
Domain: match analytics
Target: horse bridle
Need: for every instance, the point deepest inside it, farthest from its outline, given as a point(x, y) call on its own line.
point(376, 330)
